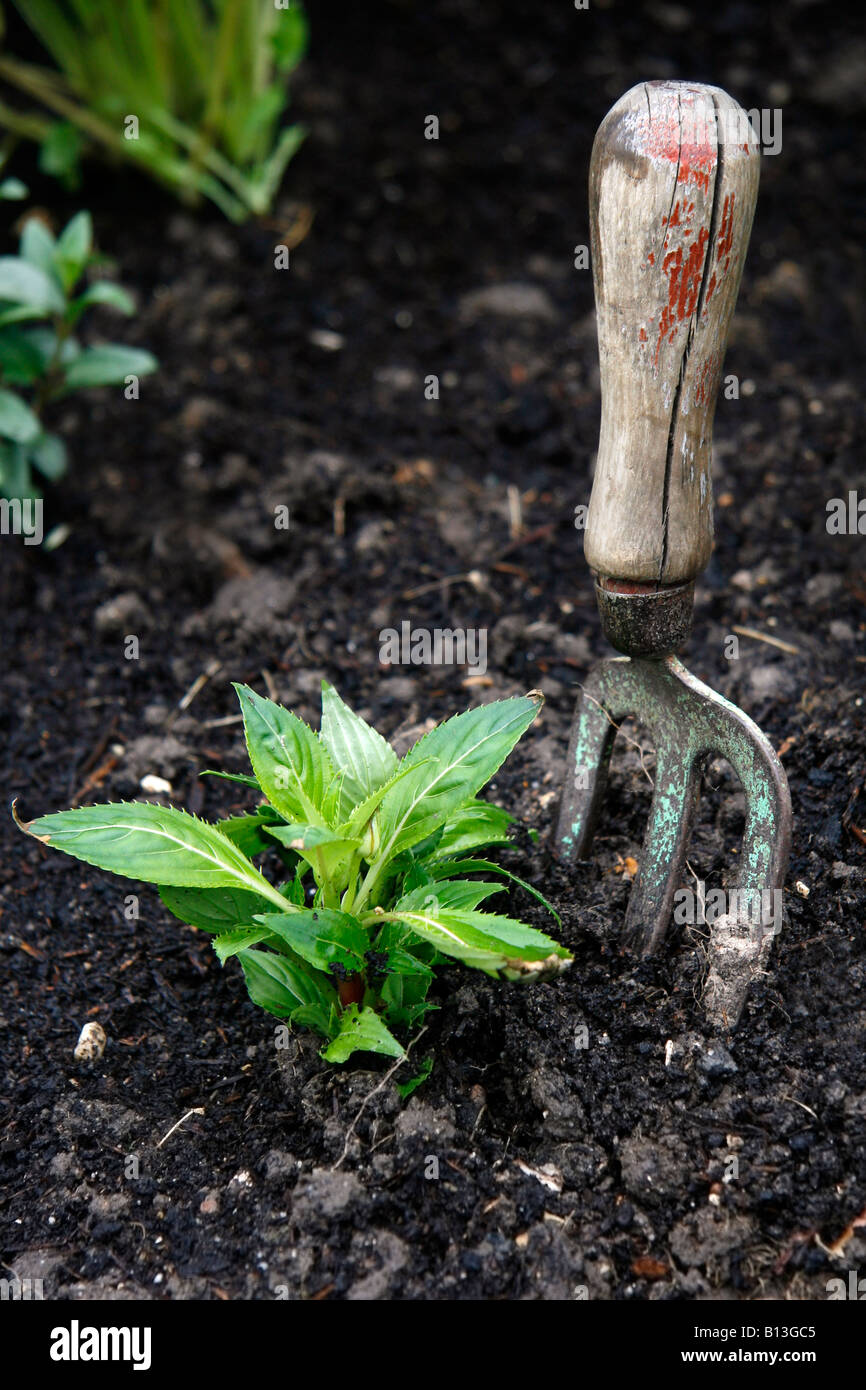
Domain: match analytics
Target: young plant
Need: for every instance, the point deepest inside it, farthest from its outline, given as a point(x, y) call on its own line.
point(192, 91)
point(41, 359)
point(372, 857)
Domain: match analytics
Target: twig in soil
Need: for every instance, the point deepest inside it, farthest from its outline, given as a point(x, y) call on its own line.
point(223, 722)
point(700, 886)
point(197, 1110)
point(95, 778)
point(297, 230)
point(198, 684)
point(793, 1101)
point(837, 1250)
point(93, 757)
point(270, 685)
point(515, 513)
point(375, 1091)
point(810, 941)
point(473, 577)
point(764, 637)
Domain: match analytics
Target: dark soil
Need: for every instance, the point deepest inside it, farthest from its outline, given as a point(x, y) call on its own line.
point(528, 1166)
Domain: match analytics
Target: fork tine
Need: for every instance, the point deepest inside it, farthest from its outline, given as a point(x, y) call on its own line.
point(675, 798)
point(588, 758)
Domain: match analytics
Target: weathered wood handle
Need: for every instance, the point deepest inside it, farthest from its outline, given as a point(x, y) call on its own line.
point(673, 184)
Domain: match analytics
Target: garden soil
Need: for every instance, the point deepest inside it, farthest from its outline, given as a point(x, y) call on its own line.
point(587, 1137)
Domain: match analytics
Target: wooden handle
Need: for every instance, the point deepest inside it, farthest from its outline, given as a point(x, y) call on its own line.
point(673, 184)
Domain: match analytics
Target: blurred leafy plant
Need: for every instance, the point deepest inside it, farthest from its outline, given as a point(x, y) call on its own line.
point(374, 856)
point(193, 91)
point(41, 360)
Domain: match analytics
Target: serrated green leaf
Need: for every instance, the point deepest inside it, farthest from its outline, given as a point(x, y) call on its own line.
point(471, 826)
point(215, 910)
point(242, 777)
point(362, 814)
point(366, 760)
point(247, 832)
point(466, 752)
point(292, 766)
point(331, 801)
point(296, 836)
point(361, 1030)
point(398, 943)
point(327, 853)
point(322, 936)
point(402, 962)
point(482, 939)
point(231, 943)
point(282, 986)
point(318, 1018)
point(448, 867)
point(449, 894)
point(293, 890)
point(157, 844)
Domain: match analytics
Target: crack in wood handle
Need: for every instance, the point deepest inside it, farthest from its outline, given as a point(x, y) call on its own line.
point(673, 185)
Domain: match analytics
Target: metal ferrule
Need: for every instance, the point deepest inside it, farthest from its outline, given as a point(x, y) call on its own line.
point(647, 620)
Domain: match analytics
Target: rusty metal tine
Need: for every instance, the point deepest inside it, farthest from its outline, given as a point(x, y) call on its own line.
point(587, 761)
point(675, 799)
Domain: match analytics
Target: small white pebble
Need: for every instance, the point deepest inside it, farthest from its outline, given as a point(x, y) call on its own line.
point(155, 785)
point(802, 888)
point(669, 1051)
point(91, 1043)
point(326, 339)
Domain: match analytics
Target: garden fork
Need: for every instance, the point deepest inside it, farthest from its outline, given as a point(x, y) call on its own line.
point(673, 185)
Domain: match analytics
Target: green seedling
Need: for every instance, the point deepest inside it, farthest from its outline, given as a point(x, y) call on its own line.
point(373, 865)
point(192, 92)
point(41, 359)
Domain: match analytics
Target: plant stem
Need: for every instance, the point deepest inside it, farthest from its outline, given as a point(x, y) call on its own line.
point(351, 990)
